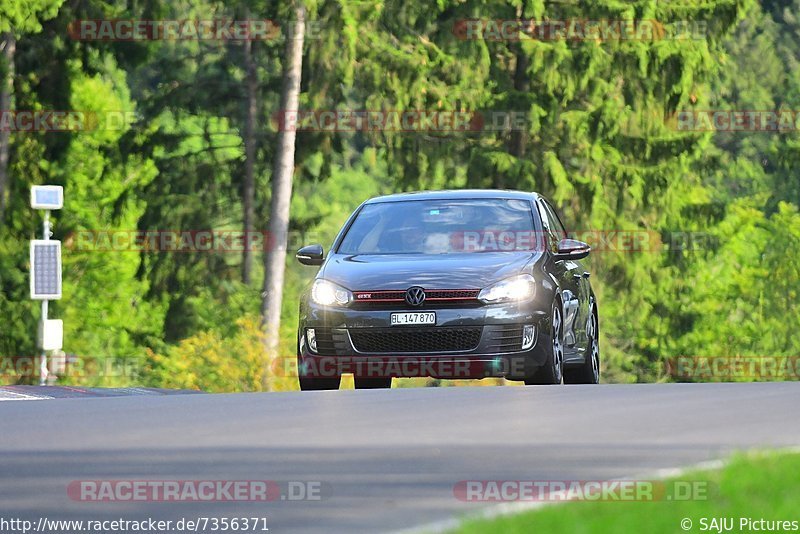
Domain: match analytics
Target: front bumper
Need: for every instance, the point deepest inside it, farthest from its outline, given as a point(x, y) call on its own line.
point(476, 341)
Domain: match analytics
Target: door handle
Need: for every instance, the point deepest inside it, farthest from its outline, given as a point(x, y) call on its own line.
point(576, 276)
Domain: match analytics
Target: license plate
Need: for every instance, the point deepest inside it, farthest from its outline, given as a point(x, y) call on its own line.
point(413, 318)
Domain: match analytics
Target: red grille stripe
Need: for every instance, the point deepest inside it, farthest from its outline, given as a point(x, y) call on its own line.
point(398, 295)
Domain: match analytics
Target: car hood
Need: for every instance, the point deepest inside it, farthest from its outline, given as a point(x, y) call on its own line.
point(447, 271)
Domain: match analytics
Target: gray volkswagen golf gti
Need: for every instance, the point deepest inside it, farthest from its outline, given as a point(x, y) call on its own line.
point(449, 284)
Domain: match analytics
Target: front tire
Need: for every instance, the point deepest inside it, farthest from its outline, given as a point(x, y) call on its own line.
point(317, 384)
point(314, 383)
point(372, 383)
point(589, 370)
point(552, 372)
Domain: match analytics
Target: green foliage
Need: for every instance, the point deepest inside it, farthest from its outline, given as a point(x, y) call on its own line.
point(26, 16)
point(743, 300)
point(209, 362)
point(598, 139)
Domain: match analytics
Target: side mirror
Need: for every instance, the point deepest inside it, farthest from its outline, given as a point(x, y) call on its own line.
point(310, 255)
point(572, 249)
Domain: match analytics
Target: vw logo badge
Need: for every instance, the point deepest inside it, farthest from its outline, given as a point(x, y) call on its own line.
point(415, 296)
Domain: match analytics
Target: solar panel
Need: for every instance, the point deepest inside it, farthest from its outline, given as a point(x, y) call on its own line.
point(45, 269)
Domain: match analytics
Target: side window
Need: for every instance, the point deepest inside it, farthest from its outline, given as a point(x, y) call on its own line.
point(549, 225)
point(555, 222)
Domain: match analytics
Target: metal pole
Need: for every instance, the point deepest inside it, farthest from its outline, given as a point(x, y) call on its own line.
point(43, 373)
point(43, 367)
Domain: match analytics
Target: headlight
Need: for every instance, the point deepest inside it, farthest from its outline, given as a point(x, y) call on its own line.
point(515, 288)
point(329, 294)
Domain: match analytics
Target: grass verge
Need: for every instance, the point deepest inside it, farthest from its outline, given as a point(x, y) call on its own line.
point(755, 486)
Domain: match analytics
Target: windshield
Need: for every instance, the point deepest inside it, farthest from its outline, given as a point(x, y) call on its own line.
point(440, 227)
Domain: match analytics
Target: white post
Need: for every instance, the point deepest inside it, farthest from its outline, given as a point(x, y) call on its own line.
point(43, 373)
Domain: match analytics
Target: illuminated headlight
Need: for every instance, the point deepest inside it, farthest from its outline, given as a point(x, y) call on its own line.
point(329, 294)
point(520, 287)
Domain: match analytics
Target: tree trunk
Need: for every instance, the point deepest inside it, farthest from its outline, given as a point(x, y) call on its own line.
point(275, 257)
point(8, 43)
point(522, 85)
point(517, 140)
point(248, 191)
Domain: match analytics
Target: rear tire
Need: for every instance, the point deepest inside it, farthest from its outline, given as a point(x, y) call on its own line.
point(372, 383)
point(552, 372)
point(589, 370)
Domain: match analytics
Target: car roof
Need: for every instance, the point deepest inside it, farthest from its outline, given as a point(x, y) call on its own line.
point(455, 194)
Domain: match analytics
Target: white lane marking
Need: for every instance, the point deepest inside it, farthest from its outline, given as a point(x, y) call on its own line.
point(6, 395)
point(140, 391)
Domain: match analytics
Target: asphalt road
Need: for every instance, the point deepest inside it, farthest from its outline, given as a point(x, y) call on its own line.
point(388, 460)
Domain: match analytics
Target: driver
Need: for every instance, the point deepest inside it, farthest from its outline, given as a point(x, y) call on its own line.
point(412, 233)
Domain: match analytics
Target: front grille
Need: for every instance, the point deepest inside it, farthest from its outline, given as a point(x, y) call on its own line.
point(506, 338)
point(380, 296)
point(443, 339)
point(431, 295)
point(451, 294)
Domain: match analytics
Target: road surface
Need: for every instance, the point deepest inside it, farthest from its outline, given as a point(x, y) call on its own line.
point(388, 459)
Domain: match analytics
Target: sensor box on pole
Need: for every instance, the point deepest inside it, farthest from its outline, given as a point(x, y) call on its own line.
point(51, 334)
point(47, 197)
